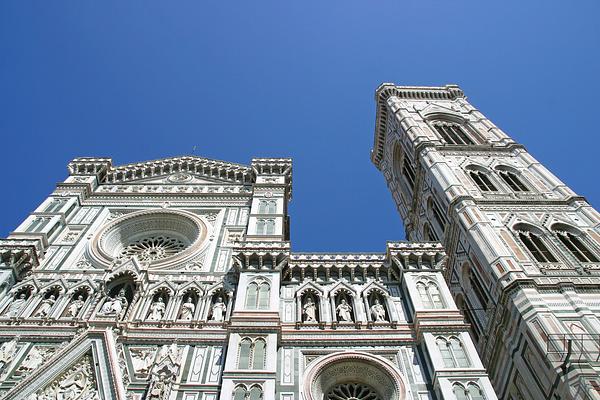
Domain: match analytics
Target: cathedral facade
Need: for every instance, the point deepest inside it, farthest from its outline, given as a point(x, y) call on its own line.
point(175, 279)
point(523, 249)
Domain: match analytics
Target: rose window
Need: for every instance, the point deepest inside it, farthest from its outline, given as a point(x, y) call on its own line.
point(153, 248)
point(352, 391)
point(158, 238)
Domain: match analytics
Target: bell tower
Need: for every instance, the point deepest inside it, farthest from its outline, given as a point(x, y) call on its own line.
point(523, 249)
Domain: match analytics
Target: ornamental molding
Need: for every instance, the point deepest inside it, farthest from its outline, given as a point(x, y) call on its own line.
point(387, 90)
point(325, 372)
point(109, 191)
point(203, 167)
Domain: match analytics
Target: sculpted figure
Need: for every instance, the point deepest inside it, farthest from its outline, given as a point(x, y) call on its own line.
point(115, 306)
point(187, 310)
point(16, 305)
point(142, 360)
point(35, 358)
point(75, 306)
point(46, 306)
point(218, 310)
point(7, 353)
point(310, 310)
point(378, 312)
point(158, 387)
point(157, 310)
point(344, 311)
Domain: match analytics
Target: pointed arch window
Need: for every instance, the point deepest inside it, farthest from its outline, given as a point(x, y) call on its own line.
point(470, 392)
point(258, 354)
point(453, 353)
point(257, 296)
point(482, 180)
point(475, 285)
point(244, 354)
point(256, 393)
point(251, 354)
point(536, 246)
point(575, 246)
point(430, 295)
point(239, 393)
point(429, 234)
point(265, 226)
point(436, 213)
point(37, 224)
point(251, 296)
point(55, 205)
point(409, 173)
point(512, 180)
point(267, 207)
point(453, 133)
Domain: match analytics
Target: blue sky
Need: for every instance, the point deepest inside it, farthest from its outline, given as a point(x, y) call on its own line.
point(141, 80)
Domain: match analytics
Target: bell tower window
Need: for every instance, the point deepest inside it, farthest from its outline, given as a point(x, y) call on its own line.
point(513, 181)
point(482, 181)
point(536, 246)
point(453, 133)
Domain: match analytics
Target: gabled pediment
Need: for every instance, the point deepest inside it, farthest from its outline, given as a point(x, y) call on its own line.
point(436, 110)
point(180, 178)
point(80, 368)
point(310, 286)
point(374, 285)
point(174, 169)
point(341, 285)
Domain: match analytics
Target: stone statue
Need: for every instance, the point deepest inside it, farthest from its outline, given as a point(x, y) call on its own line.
point(35, 358)
point(46, 306)
point(378, 312)
point(310, 310)
point(16, 305)
point(75, 306)
point(157, 310)
point(187, 310)
point(115, 306)
point(7, 353)
point(142, 360)
point(218, 310)
point(158, 387)
point(344, 311)
point(78, 383)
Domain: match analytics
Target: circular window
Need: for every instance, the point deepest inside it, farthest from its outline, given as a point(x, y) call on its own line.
point(157, 237)
point(153, 248)
point(352, 391)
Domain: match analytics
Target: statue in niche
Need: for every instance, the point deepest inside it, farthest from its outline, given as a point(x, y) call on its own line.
point(7, 353)
point(115, 305)
point(218, 310)
point(46, 306)
point(16, 305)
point(344, 311)
point(157, 310)
point(158, 387)
point(142, 360)
point(310, 310)
point(35, 358)
point(187, 310)
point(75, 306)
point(378, 312)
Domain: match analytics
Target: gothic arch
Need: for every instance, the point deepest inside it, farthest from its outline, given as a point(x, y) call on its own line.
point(355, 367)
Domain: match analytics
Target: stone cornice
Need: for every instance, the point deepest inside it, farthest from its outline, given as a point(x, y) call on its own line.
point(20, 254)
point(387, 90)
point(103, 169)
